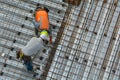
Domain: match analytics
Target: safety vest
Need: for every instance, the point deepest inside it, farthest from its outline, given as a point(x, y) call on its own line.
point(42, 17)
point(44, 35)
point(44, 32)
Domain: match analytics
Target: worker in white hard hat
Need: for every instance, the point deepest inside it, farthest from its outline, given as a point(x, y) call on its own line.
point(32, 48)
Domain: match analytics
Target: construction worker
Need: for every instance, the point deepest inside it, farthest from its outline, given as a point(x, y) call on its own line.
point(32, 48)
point(41, 21)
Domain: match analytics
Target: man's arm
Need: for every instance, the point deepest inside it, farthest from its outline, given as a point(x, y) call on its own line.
point(50, 34)
point(36, 24)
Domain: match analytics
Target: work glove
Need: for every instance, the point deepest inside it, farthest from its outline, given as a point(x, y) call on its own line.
point(50, 39)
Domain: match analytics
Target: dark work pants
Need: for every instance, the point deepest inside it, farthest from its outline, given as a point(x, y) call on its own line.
point(28, 64)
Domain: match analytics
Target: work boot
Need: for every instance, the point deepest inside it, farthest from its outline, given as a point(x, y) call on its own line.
point(34, 75)
point(36, 68)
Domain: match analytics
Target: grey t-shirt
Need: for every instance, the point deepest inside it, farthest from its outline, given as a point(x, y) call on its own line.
point(33, 46)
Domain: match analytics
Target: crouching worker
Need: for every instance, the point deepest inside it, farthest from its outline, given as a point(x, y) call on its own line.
point(32, 48)
point(41, 21)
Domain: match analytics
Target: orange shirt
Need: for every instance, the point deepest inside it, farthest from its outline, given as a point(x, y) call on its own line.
point(42, 17)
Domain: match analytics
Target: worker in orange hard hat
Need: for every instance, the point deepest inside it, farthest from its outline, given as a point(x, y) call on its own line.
point(41, 21)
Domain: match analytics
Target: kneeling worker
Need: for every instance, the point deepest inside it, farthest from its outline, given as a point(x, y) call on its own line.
point(32, 48)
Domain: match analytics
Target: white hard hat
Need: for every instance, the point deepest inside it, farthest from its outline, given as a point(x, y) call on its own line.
point(44, 35)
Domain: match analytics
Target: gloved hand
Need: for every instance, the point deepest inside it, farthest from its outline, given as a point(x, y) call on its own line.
point(50, 39)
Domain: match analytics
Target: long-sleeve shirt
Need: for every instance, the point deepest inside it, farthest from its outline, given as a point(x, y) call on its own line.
point(33, 47)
